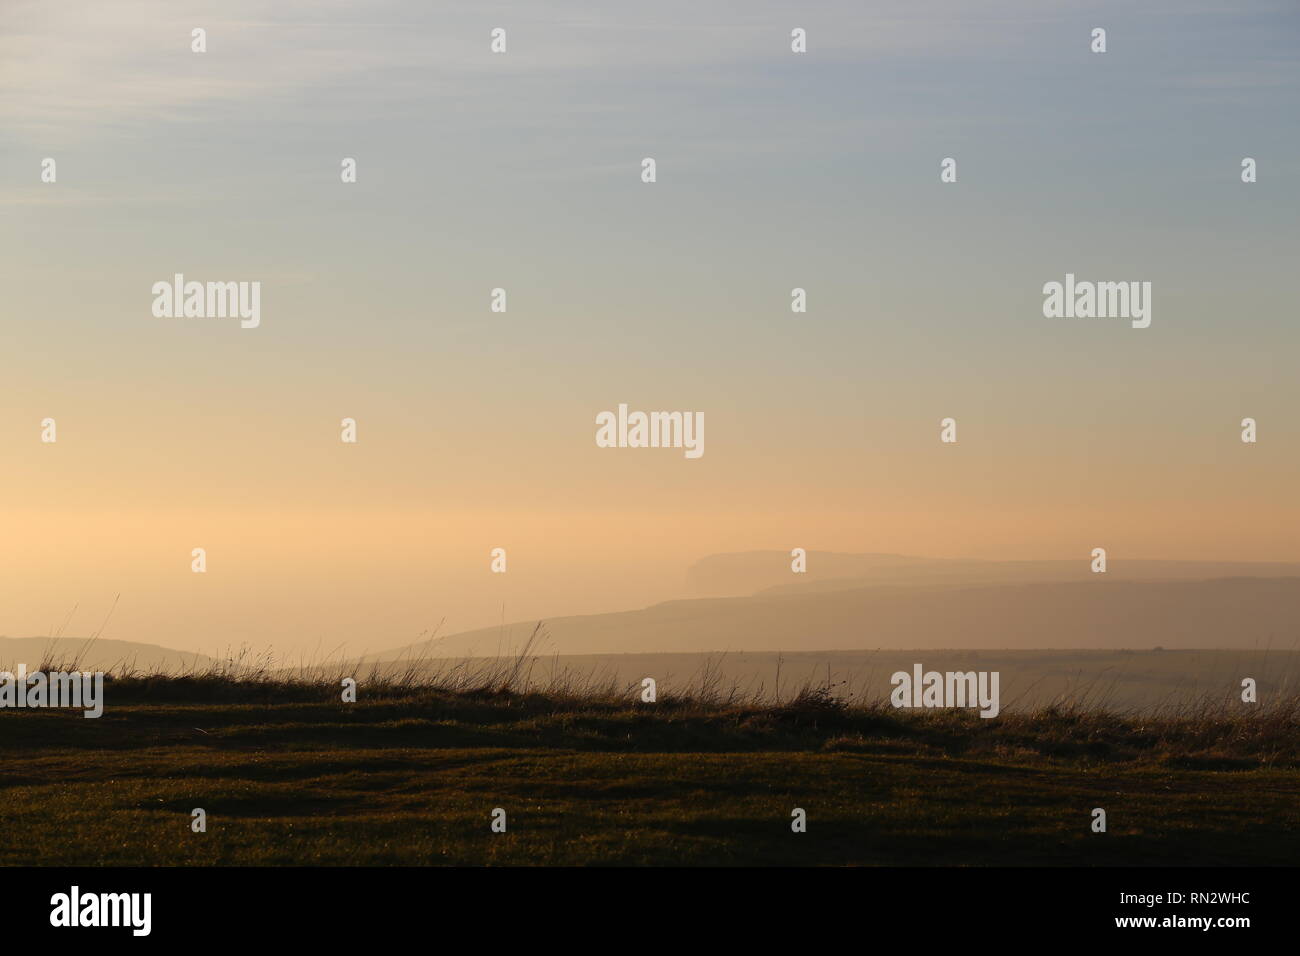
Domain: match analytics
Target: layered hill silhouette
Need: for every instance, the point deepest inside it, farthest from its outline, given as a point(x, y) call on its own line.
point(734, 575)
point(846, 602)
point(895, 601)
point(97, 654)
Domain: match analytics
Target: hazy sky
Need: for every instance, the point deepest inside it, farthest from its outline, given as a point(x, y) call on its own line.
point(522, 171)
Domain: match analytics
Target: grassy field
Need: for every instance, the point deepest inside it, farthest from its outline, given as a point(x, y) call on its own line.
point(289, 774)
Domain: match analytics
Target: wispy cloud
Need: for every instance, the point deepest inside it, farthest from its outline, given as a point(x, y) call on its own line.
point(70, 68)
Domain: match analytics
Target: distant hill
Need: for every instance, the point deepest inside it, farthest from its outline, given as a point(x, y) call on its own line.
point(733, 575)
point(97, 655)
point(1101, 612)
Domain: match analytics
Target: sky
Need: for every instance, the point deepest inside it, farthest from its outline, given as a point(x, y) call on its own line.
point(522, 170)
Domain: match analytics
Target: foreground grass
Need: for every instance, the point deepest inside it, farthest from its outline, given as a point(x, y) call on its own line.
point(288, 774)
